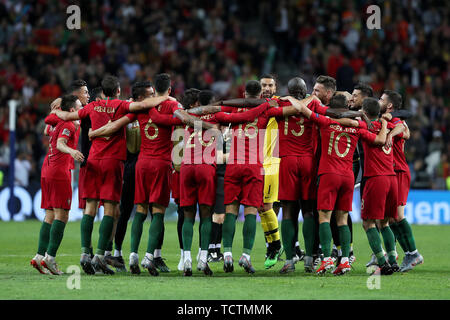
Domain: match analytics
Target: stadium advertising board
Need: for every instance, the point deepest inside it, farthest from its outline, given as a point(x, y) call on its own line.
point(423, 207)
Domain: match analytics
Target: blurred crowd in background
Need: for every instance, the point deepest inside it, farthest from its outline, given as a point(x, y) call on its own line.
point(219, 45)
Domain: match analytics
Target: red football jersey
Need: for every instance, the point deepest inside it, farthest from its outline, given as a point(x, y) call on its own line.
point(338, 144)
point(400, 163)
point(101, 112)
point(296, 133)
point(378, 160)
point(60, 163)
point(247, 145)
point(156, 139)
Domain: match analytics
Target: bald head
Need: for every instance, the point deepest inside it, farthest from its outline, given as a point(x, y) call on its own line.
point(297, 87)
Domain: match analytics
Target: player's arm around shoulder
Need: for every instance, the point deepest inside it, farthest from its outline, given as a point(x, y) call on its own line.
point(110, 128)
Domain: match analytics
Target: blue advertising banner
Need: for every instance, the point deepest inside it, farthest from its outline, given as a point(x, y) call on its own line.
point(423, 207)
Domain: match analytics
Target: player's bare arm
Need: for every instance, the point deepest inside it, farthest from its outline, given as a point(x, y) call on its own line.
point(109, 128)
point(67, 116)
point(149, 103)
point(61, 145)
point(381, 136)
point(191, 120)
point(399, 128)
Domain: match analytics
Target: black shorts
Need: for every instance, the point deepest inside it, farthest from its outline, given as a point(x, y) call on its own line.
point(219, 206)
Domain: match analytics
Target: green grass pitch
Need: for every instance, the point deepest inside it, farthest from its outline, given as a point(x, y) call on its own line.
point(18, 280)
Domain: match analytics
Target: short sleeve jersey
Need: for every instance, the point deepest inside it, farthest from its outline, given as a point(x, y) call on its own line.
point(156, 142)
point(296, 133)
point(378, 160)
point(400, 163)
point(101, 112)
point(60, 163)
point(338, 144)
point(248, 140)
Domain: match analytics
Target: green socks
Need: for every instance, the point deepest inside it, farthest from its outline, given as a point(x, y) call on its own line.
point(375, 245)
point(56, 235)
point(228, 229)
point(106, 228)
point(287, 234)
point(44, 237)
point(399, 236)
point(188, 233)
point(345, 237)
point(155, 232)
point(406, 230)
point(325, 238)
point(136, 230)
point(308, 235)
point(249, 232)
point(205, 232)
point(389, 243)
point(87, 225)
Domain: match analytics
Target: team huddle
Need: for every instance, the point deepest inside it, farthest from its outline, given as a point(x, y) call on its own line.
point(303, 153)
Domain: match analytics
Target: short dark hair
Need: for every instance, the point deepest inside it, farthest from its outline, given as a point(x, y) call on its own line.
point(190, 97)
point(68, 101)
point(162, 82)
point(253, 88)
point(110, 84)
point(327, 81)
point(268, 76)
point(395, 98)
point(138, 89)
point(95, 93)
point(338, 101)
point(205, 97)
point(297, 87)
point(76, 85)
point(371, 107)
point(365, 89)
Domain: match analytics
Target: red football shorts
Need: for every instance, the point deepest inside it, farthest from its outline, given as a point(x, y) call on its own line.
point(197, 184)
point(153, 181)
point(244, 183)
point(403, 182)
point(103, 180)
point(379, 198)
point(81, 182)
point(176, 186)
point(44, 194)
point(335, 192)
point(297, 178)
point(59, 194)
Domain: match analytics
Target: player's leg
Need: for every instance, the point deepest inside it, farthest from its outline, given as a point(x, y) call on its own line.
point(136, 234)
point(56, 235)
point(228, 230)
point(155, 232)
point(126, 206)
point(375, 244)
point(205, 230)
point(180, 222)
point(248, 233)
point(105, 232)
point(44, 237)
point(290, 218)
point(188, 233)
point(214, 252)
point(325, 240)
point(86, 227)
point(345, 238)
point(335, 236)
point(309, 230)
point(157, 254)
point(115, 261)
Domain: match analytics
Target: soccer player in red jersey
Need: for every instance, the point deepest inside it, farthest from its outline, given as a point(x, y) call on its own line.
point(62, 151)
point(391, 102)
point(336, 180)
point(44, 234)
point(379, 199)
point(104, 167)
